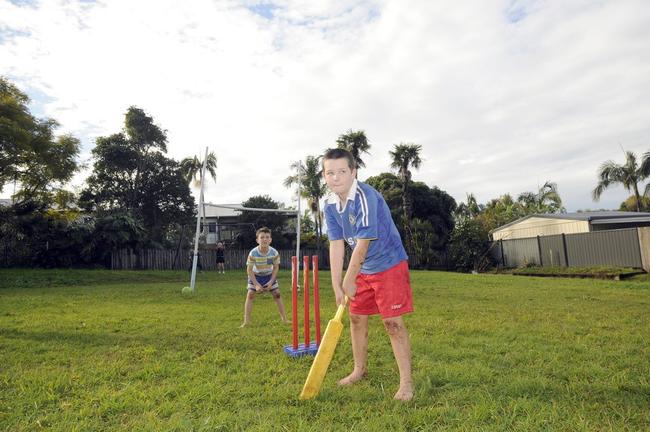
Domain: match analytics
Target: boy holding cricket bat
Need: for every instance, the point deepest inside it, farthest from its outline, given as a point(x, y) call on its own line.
point(377, 279)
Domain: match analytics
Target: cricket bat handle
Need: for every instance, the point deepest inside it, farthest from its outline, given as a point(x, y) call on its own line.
point(341, 310)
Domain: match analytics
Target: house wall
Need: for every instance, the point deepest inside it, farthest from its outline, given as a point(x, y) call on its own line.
point(536, 226)
point(222, 229)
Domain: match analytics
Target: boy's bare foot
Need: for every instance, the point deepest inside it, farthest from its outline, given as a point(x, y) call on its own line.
point(244, 324)
point(355, 376)
point(405, 393)
point(286, 321)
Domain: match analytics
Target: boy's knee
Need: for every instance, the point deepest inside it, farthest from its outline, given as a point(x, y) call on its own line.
point(393, 326)
point(251, 295)
point(276, 294)
point(356, 319)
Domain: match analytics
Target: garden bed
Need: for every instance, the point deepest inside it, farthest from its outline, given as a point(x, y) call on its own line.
point(597, 272)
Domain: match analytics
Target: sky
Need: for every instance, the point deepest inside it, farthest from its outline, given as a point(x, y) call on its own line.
point(502, 95)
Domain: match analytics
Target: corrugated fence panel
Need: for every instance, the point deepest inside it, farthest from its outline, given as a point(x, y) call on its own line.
point(519, 252)
point(552, 249)
point(612, 247)
point(615, 247)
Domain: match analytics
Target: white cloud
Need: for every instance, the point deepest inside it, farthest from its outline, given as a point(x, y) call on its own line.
point(503, 95)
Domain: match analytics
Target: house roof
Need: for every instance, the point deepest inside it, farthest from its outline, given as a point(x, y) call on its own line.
point(234, 210)
point(215, 210)
point(639, 219)
point(594, 217)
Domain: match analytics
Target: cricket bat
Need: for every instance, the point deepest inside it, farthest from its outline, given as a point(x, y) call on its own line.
point(324, 355)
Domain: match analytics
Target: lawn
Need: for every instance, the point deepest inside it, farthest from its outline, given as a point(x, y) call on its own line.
point(101, 350)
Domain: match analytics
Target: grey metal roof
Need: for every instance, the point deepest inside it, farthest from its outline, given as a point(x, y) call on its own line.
point(640, 219)
point(594, 217)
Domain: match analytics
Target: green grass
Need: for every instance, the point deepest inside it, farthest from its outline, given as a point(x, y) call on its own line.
point(125, 351)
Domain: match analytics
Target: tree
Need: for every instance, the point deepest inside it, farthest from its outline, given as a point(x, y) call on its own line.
point(312, 188)
point(275, 221)
point(17, 127)
point(432, 215)
point(645, 170)
point(469, 209)
point(404, 157)
point(113, 231)
point(545, 200)
point(631, 204)
point(191, 167)
point(629, 175)
point(30, 154)
point(131, 174)
point(469, 246)
point(500, 211)
point(356, 143)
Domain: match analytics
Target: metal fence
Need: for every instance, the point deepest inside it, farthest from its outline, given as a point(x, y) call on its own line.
point(613, 247)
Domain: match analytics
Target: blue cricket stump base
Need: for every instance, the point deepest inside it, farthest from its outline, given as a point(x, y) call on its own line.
point(302, 350)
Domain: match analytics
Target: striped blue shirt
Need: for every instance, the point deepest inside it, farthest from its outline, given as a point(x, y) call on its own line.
point(263, 264)
point(365, 215)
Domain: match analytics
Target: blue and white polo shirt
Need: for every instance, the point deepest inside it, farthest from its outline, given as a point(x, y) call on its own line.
point(365, 215)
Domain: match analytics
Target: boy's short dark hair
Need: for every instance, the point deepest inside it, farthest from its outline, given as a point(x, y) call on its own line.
point(339, 153)
point(264, 230)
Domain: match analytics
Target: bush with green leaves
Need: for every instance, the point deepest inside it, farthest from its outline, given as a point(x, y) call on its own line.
point(470, 246)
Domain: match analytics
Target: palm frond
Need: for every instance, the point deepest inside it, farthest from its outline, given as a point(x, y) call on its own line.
point(644, 169)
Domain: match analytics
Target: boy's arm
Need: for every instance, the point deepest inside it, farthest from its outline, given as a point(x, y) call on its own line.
point(274, 275)
point(337, 253)
point(251, 276)
point(356, 260)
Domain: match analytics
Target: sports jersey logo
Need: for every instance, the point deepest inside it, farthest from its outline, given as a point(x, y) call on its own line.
point(350, 241)
point(352, 219)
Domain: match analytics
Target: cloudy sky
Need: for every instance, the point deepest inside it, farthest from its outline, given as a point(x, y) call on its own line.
point(502, 94)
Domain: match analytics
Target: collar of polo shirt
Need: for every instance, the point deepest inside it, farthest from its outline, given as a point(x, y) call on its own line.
point(333, 198)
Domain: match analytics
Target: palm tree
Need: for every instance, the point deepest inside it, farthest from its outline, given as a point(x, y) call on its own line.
point(312, 188)
point(405, 156)
point(191, 168)
point(469, 209)
point(645, 170)
point(356, 143)
point(546, 200)
point(629, 175)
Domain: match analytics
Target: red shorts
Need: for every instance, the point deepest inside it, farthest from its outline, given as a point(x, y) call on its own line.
point(387, 293)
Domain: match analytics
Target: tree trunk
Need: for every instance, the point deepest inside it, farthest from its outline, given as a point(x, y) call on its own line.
point(638, 197)
point(315, 216)
point(406, 215)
